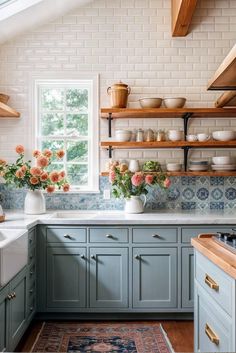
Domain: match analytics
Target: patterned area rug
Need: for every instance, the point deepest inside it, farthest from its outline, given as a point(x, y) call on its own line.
point(102, 337)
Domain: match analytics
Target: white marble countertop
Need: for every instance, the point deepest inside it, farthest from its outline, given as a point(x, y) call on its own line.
point(17, 219)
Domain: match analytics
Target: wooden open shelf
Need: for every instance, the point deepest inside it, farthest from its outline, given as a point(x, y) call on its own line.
point(182, 173)
point(225, 76)
point(8, 112)
point(168, 144)
point(127, 113)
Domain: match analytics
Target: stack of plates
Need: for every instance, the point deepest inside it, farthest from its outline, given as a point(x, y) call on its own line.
point(198, 165)
point(223, 167)
point(223, 163)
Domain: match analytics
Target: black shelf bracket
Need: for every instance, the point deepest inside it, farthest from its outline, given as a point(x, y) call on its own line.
point(186, 118)
point(109, 123)
point(110, 149)
point(186, 150)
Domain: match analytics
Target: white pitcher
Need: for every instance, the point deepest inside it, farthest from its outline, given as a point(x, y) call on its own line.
point(34, 202)
point(135, 205)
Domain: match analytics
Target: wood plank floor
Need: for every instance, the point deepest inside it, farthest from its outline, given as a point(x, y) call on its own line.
point(180, 334)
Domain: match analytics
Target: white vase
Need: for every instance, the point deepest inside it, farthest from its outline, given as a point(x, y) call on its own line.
point(35, 202)
point(135, 204)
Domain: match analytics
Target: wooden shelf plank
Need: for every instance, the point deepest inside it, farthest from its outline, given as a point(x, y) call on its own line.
point(168, 144)
point(182, 12)
point(8, 112)
point(182, 173)
point(137, 113)
point(225, 76)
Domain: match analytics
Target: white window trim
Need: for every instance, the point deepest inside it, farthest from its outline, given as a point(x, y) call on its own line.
point(39, 80)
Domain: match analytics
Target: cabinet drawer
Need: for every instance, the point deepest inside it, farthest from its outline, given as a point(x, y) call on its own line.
point(108, 235)
point(66, 235)
point(216, 282)
point(154, 235)
point(188, 233)
point(214, 326)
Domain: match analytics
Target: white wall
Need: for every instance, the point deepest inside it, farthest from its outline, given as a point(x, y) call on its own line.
point(128, 40)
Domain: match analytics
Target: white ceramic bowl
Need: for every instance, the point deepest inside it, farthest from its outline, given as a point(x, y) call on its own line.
point(224, 135)
point(223, 160)
point(150, 102)
point(173, 167)
point(123, 135)
point(173, 103)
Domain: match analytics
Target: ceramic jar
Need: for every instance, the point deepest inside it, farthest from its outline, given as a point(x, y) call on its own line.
point(119, 93)
point(34, 202)
point(134, 165)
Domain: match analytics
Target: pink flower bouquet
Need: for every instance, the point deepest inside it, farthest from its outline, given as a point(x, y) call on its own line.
point(23, 174)
point(128, 184)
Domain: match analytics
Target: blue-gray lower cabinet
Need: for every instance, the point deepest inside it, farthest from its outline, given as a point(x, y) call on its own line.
point(3, 318)
point(214, 308)
point(13, 311)
point(66, 277)
point(155, 277)
point(108, 277)
point(187, 272)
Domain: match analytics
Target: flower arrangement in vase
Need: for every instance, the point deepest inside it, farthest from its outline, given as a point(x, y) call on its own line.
point(132, 187)
point(35, 178)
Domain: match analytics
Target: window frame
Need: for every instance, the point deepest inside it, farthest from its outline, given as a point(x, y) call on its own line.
point(93, 159)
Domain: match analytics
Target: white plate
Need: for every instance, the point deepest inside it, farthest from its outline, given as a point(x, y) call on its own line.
point(223, 167)
point(198, 168)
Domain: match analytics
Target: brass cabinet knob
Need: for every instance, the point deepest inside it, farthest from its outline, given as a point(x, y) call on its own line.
point(93, 257)
point(155, 235)
point(137, 257)
point(13, 295)
point(9, 297)
point(82, 256)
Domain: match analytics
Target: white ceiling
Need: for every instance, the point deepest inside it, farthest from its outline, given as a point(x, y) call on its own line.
point(19, 16)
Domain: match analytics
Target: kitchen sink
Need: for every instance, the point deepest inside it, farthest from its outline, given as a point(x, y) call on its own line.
point(13, 253)
point(74, 215)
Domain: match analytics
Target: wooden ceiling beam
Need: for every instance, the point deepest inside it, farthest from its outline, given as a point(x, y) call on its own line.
point(182, 12)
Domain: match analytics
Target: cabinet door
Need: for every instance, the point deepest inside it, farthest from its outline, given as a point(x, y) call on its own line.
point(154, 278)
point(3, 318)
point(66, 277)
point(18, 308)
point(187, 277)
point(108, 279)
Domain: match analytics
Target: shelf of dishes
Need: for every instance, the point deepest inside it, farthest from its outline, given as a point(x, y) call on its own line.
point(150, 135)
point(220, 166)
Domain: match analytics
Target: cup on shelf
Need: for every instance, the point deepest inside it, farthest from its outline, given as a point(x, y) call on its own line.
point(203, 137)
point(191, 138)
point(175, 135)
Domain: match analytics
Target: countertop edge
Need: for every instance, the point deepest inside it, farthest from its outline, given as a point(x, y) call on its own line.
point(220, 256)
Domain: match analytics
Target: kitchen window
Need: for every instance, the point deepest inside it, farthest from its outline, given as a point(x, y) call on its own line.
point(68, 120)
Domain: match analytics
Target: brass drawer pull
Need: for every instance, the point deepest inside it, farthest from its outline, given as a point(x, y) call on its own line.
point(211, 335)
point(211, 283)
point(155, 235)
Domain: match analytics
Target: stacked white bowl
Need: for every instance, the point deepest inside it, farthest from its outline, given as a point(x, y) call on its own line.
point(223, 163)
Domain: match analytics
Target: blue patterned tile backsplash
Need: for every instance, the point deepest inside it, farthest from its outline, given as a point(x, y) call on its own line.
point(188, 193)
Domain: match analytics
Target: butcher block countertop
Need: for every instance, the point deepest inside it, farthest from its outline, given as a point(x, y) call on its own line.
point(217, 253)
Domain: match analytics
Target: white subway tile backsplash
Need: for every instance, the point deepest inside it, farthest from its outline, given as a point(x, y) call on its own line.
point(128, 40)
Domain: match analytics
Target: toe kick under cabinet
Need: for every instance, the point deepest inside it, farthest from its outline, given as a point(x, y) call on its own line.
point(116, 268)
